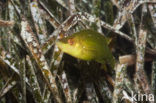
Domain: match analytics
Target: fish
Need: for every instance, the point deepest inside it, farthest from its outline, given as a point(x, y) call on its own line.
point(88, 45)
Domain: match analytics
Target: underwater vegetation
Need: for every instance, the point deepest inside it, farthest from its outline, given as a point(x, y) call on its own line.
point(77, 51)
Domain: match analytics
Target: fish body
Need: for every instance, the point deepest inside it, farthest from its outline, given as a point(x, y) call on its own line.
point(87, 45)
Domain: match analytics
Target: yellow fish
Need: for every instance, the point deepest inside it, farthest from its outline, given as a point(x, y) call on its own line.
point(88, 45)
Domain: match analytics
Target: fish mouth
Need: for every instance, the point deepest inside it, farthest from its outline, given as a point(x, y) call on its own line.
point(59, 43)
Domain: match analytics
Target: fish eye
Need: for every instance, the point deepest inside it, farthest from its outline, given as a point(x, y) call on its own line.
point(70, 41)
